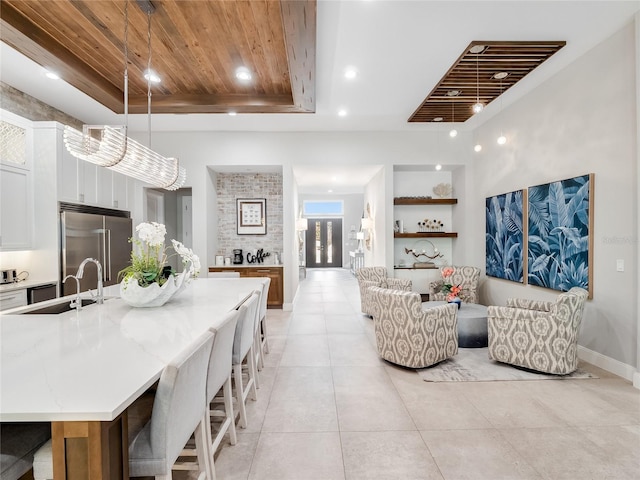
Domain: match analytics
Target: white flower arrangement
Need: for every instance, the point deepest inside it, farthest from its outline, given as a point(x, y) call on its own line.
point(188, 258)
point(149, 257)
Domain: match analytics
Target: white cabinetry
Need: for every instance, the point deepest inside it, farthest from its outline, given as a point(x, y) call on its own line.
point(86, 183)
point(68, 181)
point(15, 209)
point(13, 299)
point(120, 191)
point(16, 205)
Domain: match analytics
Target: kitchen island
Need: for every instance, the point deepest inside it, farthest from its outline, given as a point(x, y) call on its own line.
point(80, 370)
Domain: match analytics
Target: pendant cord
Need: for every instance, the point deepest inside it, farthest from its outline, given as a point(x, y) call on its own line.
point(126, 66)
point(501, 120)
point(149, 75)
point(477, 80)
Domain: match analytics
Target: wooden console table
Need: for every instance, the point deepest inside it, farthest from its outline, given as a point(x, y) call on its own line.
point(275, 299)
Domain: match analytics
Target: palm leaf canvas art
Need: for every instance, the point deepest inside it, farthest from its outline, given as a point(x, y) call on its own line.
point(505, 236)
point(559, 252)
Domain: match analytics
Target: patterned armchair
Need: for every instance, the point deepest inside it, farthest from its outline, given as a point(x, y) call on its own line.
point(541, 336)
point(466, 277)
point(377, 277)
point(408, 336)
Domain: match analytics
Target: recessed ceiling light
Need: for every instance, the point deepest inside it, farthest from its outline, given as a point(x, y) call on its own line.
point(438, 119)
point(502, 140)
point(52, 75)
point(453, 93)
point(453, 133)
point(342, 113)
point(243, 74)
point(350, 73)
point(329, 191)
point(500, 75)
point(477, 49)
point(477, 148)
point(151, 76)
point(438, 167)
point(232, 113)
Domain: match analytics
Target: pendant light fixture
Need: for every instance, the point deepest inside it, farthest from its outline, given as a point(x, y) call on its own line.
point(453, 132)
point(478, 106)
point(500, 75)
point(109, 146)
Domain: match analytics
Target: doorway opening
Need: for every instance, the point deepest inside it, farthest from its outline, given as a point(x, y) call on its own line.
point(174, 210)
point(324, 243)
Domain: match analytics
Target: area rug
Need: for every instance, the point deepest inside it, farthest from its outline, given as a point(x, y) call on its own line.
point(473, 365)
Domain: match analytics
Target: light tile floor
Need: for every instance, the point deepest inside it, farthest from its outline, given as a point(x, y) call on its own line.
point(329, 408)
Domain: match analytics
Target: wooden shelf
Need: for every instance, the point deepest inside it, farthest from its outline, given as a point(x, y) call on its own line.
point(424, 201)
point(426, 235)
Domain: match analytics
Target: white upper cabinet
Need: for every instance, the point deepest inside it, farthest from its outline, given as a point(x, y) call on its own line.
point(86, 183)
point(68, 177)
point(15, 208)
point(120, 191)
point(16, 185)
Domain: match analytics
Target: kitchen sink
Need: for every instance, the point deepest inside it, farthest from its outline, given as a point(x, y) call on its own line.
point(57, 308)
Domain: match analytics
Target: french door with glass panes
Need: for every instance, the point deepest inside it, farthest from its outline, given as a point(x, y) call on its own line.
point(324, 243)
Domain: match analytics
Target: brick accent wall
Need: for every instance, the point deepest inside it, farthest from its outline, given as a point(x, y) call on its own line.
point(231, 186)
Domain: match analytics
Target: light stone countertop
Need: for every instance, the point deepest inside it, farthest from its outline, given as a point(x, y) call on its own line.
point(90, 365)
point(10, 287)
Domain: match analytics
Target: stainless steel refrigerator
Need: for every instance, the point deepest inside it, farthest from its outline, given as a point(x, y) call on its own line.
point(100, 236)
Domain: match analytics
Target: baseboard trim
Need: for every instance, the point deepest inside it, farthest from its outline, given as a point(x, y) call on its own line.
point(610, 365)
point(287, 307)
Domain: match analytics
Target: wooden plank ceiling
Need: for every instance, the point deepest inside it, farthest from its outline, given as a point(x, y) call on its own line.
point(474, 77)
point(196, 47)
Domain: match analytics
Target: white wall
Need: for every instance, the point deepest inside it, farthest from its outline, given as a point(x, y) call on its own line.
point(200, 152)
point(581, 121)
point(378, 196)
point(636, 378)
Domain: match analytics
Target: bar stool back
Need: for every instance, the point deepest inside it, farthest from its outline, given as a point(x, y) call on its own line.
point(244, 347)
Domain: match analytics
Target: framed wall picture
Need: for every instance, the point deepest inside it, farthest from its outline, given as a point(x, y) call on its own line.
point(505, 236)
point(560, 243)
point(251, 216)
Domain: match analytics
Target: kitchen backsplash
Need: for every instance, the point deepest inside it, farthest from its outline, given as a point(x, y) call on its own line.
point(231, 186)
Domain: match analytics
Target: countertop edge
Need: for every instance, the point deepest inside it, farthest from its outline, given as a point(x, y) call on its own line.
point(10, 287)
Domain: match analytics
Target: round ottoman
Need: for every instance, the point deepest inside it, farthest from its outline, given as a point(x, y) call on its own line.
point(472, 324)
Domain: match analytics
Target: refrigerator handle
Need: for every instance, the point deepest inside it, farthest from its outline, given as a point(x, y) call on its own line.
point(107, 251)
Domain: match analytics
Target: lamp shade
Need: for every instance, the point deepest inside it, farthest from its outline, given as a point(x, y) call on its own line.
point(302, 224)
point(367, 224)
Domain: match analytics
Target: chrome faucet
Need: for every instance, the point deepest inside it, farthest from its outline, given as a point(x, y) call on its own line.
point(77, 303)
point(100, 294)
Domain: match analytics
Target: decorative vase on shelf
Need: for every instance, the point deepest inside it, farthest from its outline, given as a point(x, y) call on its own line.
point(455, 300)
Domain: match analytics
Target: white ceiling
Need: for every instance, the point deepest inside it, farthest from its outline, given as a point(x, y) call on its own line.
point(400, 48)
